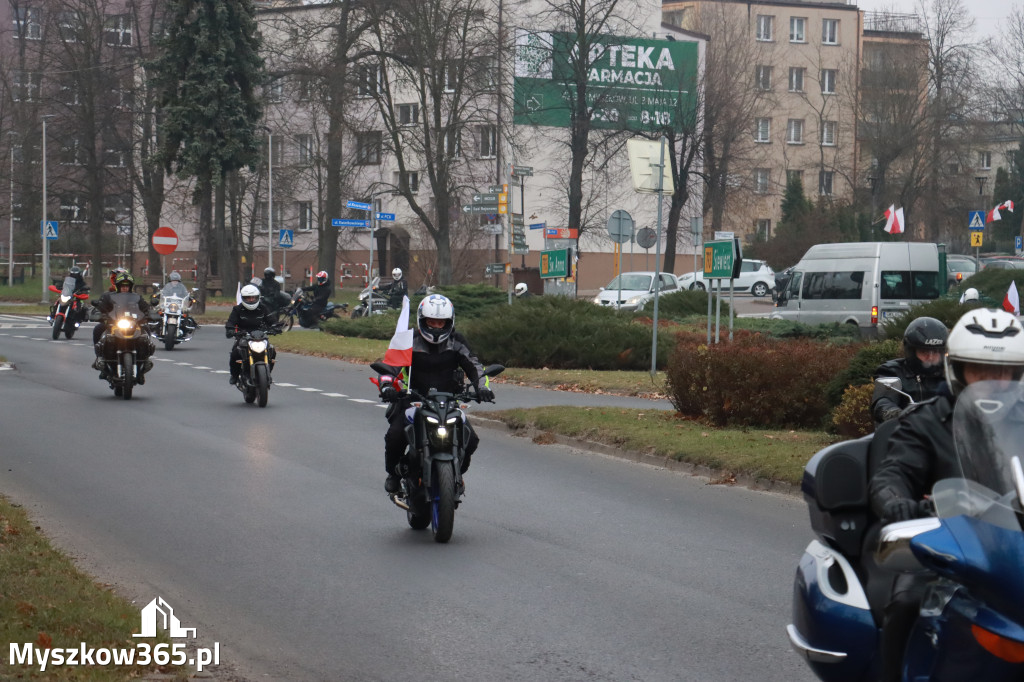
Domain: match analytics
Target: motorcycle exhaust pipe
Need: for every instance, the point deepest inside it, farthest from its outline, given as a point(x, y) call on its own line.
point(399, 501)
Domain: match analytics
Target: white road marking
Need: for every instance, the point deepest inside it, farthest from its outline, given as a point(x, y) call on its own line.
point(335, 395)
point(201, 367)
point(308, 390)
point(286, 385)
point(362, 400)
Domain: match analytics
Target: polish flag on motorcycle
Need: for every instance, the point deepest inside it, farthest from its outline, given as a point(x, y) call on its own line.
point(1011, 302)
point(994, 215)
point(399, 352)
point(894, 220)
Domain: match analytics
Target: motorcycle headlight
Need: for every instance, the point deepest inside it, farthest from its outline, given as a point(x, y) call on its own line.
point(257, 346)
point(174, 308)
point(433, 420)
point(438, 437)
point(124, 324)
point(64, 299)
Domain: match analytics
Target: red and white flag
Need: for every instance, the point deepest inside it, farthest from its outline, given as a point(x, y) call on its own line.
point(894, 220)
point(994, 213)
point(1011, 302)
point(399, 352)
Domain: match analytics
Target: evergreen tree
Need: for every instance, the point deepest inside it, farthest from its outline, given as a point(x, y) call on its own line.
point(209, 77)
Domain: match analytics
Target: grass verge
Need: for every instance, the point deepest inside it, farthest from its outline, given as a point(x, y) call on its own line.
point(759, 453)
point(46, 601)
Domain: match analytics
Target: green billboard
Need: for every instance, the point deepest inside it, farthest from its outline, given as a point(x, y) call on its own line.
point(634, 84)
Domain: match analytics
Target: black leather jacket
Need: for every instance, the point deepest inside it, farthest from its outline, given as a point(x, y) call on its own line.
point(396, 291)
point(920, 452)
point(321, 293)
point(242, 319)
point(920, 387)
point(434, 365)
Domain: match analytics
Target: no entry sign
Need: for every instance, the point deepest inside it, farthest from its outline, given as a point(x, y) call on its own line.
point(165, 240)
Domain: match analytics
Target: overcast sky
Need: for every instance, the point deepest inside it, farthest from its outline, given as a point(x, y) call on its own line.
point(988, 14)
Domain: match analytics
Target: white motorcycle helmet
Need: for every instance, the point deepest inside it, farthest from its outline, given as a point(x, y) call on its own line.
point(521, 288)
point(250, 297)
point(396, 274)
point(435, 307)
point(971, 294)
point(984, 337)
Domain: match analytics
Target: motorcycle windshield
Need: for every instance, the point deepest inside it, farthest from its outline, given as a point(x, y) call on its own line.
point(125, 304)
point(174, 289)
point(988, 429)
point(68, 288)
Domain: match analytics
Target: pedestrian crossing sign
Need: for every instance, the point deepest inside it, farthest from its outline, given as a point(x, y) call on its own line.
point(976, 220)
point(49, 229)
point(286, 240)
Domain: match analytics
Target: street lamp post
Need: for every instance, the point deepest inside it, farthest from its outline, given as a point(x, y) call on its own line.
point(43, 225)
point(270, 197)
point(10, 230)
point(373, 227)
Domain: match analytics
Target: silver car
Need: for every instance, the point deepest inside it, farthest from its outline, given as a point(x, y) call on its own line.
point(631, 290)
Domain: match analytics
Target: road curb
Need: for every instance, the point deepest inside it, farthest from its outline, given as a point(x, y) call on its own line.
point(712, 476)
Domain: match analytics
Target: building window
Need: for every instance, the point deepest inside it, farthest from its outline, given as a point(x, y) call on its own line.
point(277, 150)
point(68, 26)
point(830, 31)
point(72, 152)
point(305, 209)
point(828, 133)
point(763, 130)
point(798, 29)
point(408, 114)
point(410, 177)
point(115, 156)
point(487, 68)
point(796, 78)
point(795, 131)
point(825, 183)
point(765, 27)
point(305, 88)
point(117, 30)
point(453, 144)
point(305, 145)
point(985, 160)
point(368, 147)
point(71, 210)
point(278, 215)
point(26, 86)
point(761, 181)
point(953, 168)
point(69, 94)
point(828, 81)
point(28, 23)
point(794, 175)
point(763, 229)
point(451, 78)
point(275, 91)
point(488, 142)
point(763, 77)
point(369, 80)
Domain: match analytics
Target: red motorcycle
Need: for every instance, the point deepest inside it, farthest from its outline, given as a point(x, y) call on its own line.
point(68, 312)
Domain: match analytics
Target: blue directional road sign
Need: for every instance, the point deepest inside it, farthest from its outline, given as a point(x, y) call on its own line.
point(360, 205)
point(48, 229)
point(386, 216)
point(286, 240)
point(538, 226)
point(340, 222)
point(976, 220)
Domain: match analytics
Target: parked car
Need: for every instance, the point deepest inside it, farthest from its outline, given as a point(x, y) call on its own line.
point(631, 290)
point(1001, 264)
point(958, 268)
point(755, 277)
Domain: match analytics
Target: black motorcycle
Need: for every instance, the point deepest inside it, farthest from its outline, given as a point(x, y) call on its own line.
point(125, 346)
point(301, 309)
point(254, 378)
point(371, 301)
point(437, 432)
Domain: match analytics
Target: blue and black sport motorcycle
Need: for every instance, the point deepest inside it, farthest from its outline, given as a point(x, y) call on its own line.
point(971, 622)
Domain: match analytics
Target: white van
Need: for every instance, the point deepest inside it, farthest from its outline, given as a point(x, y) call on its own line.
point(861, 283)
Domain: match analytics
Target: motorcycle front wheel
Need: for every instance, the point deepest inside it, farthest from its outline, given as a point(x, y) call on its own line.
point(443, 502)
point(357, 313)
point(58, 325)
point(170, 334)
point(127, 375)
point(262, 385)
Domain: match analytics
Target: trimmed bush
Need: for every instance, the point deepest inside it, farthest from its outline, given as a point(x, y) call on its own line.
point(852, 418)
point(564, 333)
point(471, 300)
point(371, 327)
point(861, 368)
point(755, 381)
point(680, 305)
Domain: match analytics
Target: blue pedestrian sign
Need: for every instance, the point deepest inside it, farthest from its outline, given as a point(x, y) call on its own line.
point(386, 216)
point(48, 229)
point(286, 240)
point(340, 222)
point(975, 220)
point(360, 205)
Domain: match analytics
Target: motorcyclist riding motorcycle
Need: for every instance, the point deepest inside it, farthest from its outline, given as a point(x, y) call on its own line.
point(247, 316)
point(523, 291)
point(920, 370)
point(983, 345)
point(438, 351)
point(175, 287)
point(397, 290)
point(125, 284)
point(322, 291)
point(114, 272)
point(269, 286)
point(75, 273)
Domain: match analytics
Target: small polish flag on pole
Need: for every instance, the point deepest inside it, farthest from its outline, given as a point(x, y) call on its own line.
point(894, 222)
point(399, 353)
point(1011, 302)
point(994, 215)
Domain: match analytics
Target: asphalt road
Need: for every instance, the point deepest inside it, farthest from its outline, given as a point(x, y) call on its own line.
point(269, 531)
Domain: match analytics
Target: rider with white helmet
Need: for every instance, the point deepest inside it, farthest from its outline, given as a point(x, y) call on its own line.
point(249, 315)
point(397, 290)
point(983, 345)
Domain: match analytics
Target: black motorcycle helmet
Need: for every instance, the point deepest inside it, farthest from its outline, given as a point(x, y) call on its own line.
point(925, 333)
point(74, 271)
point(269, 273)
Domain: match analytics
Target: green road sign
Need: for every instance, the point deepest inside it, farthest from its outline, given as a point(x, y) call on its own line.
point(632, 83)
point(517, 219)
point(521, 171)
point(554, 263)
point(718, 259)
point(489, 198)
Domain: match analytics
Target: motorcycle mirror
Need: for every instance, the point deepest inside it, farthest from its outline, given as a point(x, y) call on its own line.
point(893, 384)
point(493, 370)
point(381, 368)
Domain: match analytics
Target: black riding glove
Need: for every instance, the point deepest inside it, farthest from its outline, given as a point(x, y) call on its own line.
point(388, 394)
point(229, 334)
point(485, 395)
point(891, 413)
